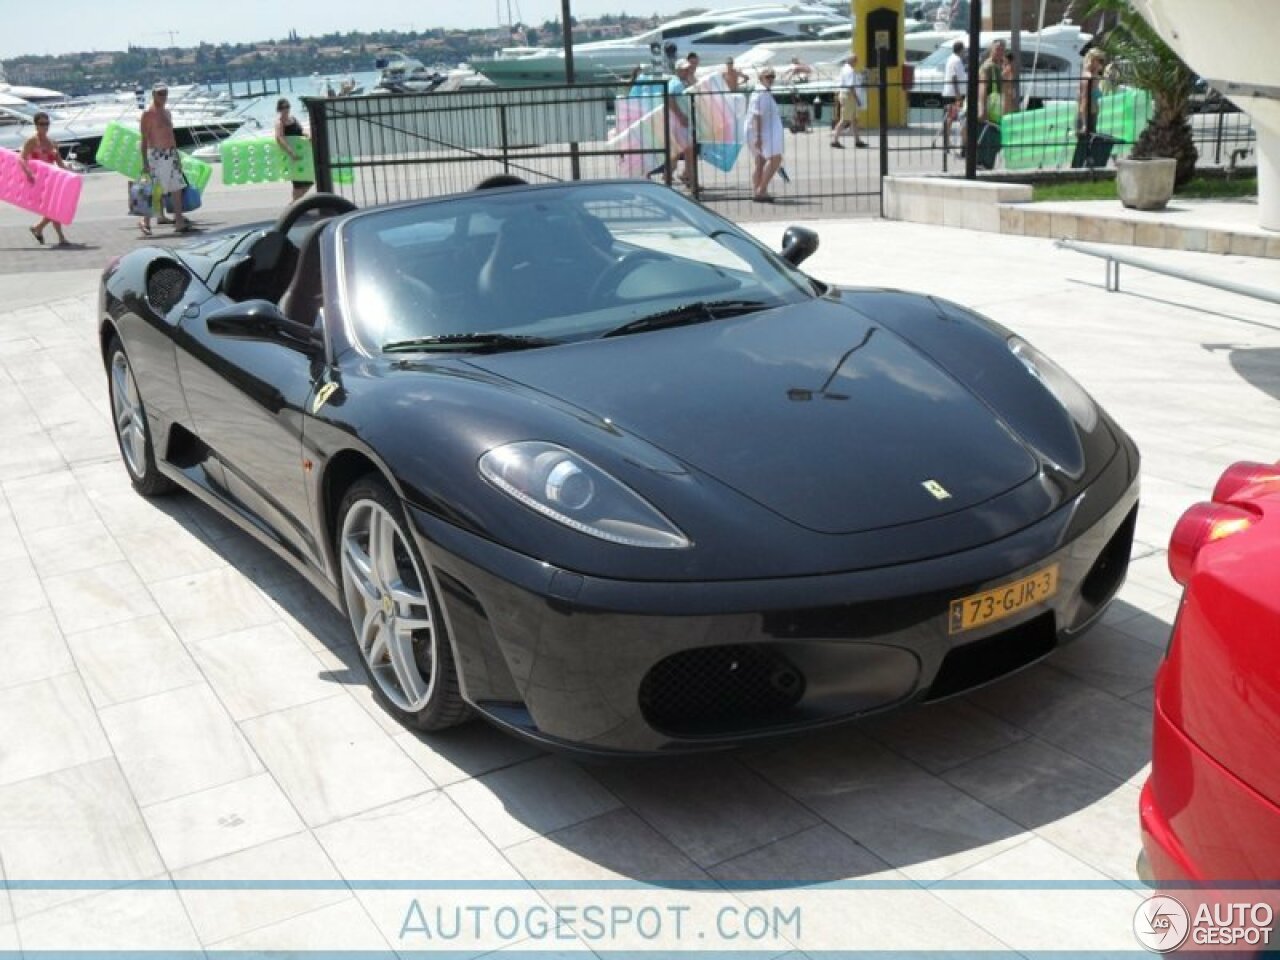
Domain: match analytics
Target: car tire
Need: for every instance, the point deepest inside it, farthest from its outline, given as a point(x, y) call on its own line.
point(393, 610)
point(133, 433)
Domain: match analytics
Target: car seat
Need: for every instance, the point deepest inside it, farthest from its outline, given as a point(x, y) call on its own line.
point(265, 270)
point(303, 298)
point(540, 266)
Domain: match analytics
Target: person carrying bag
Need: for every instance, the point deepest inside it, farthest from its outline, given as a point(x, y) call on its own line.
point(991, 85)
point(144, 199)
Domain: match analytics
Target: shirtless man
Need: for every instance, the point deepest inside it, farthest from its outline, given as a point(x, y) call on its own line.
point(733, 77)
point(797, 71)
point(160, 157)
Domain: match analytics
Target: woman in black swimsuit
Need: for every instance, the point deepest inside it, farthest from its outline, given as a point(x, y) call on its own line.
point(288, 126)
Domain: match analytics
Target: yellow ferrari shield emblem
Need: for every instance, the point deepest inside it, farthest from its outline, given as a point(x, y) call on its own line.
point(938, 490)
point(322, 395)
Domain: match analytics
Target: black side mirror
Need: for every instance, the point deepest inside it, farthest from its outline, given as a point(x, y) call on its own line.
point(260, 320)
point(798, 245)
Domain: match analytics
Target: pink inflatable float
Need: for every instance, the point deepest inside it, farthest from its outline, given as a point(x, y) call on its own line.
point(54, 194)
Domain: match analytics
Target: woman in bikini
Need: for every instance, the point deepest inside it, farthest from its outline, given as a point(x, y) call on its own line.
point(289, 126)
point(40, 149)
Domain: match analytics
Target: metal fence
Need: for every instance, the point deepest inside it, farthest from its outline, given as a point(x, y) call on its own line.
point(386, 148)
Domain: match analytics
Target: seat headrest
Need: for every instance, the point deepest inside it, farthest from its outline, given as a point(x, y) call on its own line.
point(300, 298)
point(268, 249)
point(522, 225)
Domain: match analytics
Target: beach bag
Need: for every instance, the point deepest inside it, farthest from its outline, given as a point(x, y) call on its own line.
point(1093, 150)
point(190, 200)
point(142, 198)
point(988, 145)
point(995, 106)
point(995, 92)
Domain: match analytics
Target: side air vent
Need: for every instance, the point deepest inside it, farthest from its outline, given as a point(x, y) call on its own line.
point(166, 285)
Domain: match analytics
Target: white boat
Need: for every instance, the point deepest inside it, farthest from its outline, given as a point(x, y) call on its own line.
point(1051, 64)
point(713, 35)
point(251, 129)
point(328, 87)
point(78, 126)
point(462, 78)
point(834, 43)
point(37, 95)
point(824, 56)
point(402, 73)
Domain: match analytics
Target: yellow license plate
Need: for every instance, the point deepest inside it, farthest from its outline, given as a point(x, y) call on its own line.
point(980, 609)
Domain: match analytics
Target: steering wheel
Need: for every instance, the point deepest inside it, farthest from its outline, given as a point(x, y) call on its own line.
point(611, 278)
point(316, 201)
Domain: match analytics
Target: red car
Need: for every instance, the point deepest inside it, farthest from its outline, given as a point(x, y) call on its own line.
point(1211, 807)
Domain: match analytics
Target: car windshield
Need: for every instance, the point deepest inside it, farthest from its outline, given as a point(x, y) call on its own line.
point(537, 267)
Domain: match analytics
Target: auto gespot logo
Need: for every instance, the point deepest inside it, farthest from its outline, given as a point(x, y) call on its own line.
point(1162, 924)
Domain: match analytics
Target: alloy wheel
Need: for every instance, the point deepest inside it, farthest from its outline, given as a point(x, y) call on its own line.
point(127, 407)
point(388, 601)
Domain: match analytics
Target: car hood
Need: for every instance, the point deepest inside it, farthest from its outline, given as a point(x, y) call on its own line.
point(812, 410)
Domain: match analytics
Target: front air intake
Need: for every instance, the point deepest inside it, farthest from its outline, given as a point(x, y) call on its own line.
point(981, 661)
point(166, 285)
point(717, 690)
point(1107, 573)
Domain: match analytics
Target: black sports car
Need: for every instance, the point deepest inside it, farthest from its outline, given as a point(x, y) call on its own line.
point(590, 461)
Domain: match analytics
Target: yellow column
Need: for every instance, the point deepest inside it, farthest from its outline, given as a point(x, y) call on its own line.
point(880, 23)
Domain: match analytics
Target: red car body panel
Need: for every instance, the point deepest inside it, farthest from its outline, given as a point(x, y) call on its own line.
point(1210, 810)
point(1201, 823)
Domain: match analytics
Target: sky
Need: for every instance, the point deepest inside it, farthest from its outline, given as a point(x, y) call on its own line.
point(88, 25)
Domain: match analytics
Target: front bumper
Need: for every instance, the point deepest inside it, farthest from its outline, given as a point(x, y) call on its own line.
point(609, 666)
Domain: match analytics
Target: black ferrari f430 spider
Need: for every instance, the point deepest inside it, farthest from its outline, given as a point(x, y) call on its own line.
point(590, 461)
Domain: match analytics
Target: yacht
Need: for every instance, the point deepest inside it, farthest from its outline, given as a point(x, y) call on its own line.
point(405, 74)
point(37, 95)
point(401, 73)
point(713, 35)
point(825, 54)
point(78, 127)
point(251, 129)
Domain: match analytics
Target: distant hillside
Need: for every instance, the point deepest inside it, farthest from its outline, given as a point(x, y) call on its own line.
point(334, 53)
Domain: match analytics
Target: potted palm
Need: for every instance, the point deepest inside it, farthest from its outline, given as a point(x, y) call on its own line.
point(1164, 155)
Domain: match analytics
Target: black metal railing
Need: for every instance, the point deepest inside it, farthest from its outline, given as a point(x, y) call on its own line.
point(398, 147)
point(1048, 133)
point(387, 148)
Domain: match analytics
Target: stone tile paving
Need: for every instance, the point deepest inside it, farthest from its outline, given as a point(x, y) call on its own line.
point(176, 706)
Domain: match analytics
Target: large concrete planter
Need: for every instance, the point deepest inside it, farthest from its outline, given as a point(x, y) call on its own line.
point(1145, 184)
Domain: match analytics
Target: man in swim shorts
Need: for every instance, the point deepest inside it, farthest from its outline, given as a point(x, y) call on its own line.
point(160, 156)
point(851, 85)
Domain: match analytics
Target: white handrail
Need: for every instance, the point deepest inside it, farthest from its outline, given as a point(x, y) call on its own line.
point(1114, 259)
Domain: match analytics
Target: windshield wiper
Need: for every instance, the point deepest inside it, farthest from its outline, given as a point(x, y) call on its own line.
point(468, 341)
point(698, 311)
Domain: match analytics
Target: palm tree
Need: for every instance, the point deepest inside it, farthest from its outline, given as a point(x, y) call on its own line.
point(1152, 66)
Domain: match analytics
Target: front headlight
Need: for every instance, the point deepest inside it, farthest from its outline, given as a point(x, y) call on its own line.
point(1058, 382)
point(575, 492)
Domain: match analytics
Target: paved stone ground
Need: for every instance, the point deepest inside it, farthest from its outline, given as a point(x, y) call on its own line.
point(103, 228)
point(177, 706)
